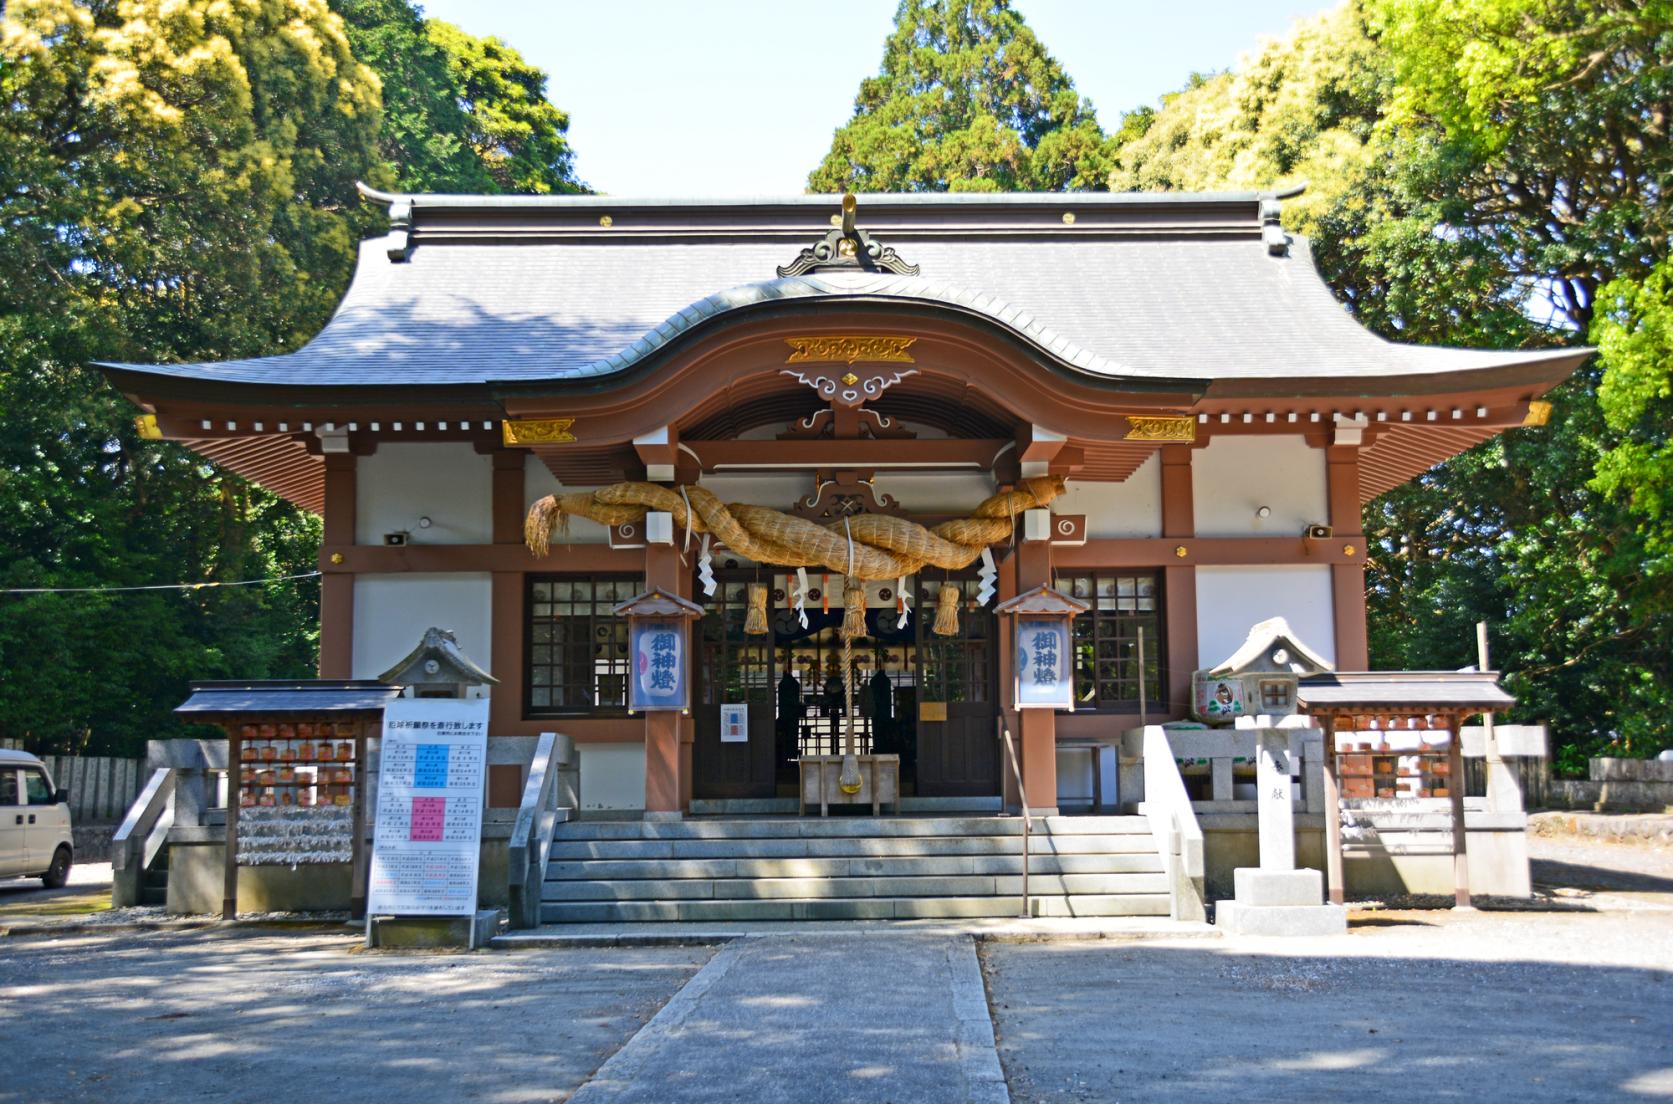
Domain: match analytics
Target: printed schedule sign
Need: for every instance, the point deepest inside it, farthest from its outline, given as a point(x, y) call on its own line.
point(427, 836)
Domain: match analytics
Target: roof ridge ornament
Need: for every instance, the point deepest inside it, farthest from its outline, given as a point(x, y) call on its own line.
point(848, 247)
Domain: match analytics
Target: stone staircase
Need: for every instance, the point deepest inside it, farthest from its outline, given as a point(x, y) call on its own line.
point(850, 868)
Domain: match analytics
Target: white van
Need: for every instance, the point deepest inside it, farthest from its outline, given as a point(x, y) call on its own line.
point(34, 822)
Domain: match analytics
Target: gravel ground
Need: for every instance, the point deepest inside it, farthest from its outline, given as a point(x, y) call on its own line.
point(1570, 999)
point(247, 1016)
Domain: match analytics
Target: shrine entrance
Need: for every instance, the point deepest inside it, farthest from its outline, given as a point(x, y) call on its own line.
point(929, 699)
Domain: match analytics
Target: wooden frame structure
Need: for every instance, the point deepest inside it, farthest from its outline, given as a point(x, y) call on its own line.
point(278, 711)
point(1393, 701)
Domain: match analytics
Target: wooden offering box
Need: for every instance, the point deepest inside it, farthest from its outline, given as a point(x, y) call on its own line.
point(879, 783)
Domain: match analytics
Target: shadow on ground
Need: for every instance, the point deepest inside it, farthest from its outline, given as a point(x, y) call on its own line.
point(1177, 1023)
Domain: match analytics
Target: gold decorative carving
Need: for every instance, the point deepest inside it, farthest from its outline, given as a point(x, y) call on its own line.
point(1068, 218)
point(850, 348)
point(1539, 413)
point(1151, 427)
point(148, 428)
point(850, 380)
point(544, 431)
point(606, 221)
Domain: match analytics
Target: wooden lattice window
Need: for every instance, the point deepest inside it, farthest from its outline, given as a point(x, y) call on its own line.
point(1106, 637)
point(576, 647)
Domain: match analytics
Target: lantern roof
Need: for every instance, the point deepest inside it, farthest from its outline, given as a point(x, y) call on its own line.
point(1042, 600)
point(1272, 646)
point(657, 602)
point(452, 667)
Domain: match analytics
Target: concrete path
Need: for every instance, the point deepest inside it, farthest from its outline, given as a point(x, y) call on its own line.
point(852, 1019)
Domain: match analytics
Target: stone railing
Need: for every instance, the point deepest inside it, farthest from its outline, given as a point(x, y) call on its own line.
point(1173, 824)
point(550, 796)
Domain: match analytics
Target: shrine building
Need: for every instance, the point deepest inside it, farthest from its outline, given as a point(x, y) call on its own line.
point(1189, 423)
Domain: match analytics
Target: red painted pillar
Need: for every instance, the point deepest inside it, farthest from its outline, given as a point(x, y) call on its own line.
point(1347, 580)
point(664, 789)
point(505, 701)
point(1179, 583)
point(336, 606)
point(1037, 727)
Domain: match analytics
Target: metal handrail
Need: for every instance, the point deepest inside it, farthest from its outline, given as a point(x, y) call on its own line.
point(1027, 820)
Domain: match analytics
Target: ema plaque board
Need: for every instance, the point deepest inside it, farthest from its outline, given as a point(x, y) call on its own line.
point(426, 840)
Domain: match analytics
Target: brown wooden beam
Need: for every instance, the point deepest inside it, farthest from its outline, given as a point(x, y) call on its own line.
point(882, 455)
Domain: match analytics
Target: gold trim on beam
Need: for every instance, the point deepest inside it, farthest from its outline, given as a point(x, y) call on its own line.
point(850, 348)
point(1166, 427)
point(148, 428)
point(1539, 413)
point(541, 431)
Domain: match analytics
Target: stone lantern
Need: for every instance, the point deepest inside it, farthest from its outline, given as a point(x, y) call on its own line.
point(438, 669)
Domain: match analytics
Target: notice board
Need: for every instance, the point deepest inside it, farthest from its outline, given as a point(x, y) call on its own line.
point(426, 839)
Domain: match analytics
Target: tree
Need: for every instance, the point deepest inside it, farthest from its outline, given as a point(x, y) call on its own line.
point(461, 114)
point(1405, 228)
point(176, 181)
point(967, 99)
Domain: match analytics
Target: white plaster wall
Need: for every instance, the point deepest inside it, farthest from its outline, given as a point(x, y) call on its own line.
point(939, 493)
point(1230, 600)
point(448, 482)
point(1132, 508)
point(612, 775)
point(538, 482)
point(391, 613)
point(1235, 476)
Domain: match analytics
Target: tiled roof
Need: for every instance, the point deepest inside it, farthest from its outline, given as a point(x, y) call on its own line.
point(477, 303)
point(306, 696)
point(1368, 690)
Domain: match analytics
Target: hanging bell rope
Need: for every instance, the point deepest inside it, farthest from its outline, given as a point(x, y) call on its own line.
point(881, 547)
point(946, 611)
point(755, 621)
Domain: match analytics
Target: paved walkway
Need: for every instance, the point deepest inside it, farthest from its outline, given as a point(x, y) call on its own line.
point(853, 1018)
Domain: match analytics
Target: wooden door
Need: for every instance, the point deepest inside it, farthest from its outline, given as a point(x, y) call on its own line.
point(732, 667)
point(958, 755)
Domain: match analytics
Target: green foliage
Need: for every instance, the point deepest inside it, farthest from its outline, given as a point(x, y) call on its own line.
point(967, 99)
point(1437, 141)
point(177, 182)
point(461, 114)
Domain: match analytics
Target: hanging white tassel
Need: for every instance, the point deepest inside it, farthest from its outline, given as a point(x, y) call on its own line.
point(705, 568)
point(903, 603)
point(801, 595)
point(987, 578)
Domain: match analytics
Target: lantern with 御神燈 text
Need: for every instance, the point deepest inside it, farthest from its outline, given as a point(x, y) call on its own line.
point(659, 645)
point(1042, 647)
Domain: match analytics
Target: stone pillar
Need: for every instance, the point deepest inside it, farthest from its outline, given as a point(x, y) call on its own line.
point(663, 786)
point(336, 612)
point(1037, 727)
point(1274, 765)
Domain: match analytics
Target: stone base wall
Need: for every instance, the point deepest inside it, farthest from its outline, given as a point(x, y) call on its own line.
point(1617, 786)
point(196, 874)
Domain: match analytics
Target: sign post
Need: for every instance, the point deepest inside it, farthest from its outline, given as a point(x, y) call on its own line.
point(427, 836)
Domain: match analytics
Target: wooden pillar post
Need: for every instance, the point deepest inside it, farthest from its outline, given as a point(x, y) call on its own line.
point(235, 797)
point(1179, 581)
point(1347, 580)
point(336, 606)
point(1455, 795)
point(358, 866)
point(1332, 816)
point(1036, 728)
point(663, 757)
point(505, 631)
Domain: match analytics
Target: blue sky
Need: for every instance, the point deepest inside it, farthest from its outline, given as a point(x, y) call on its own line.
point(739, 97)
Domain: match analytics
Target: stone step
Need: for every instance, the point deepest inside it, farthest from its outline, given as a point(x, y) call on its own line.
point(832, 827)
point(888, 887)
point(566, 847)
point(787, 806)
point(852, 867)
point(849, 908)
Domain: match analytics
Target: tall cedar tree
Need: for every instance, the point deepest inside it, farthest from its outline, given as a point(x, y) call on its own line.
point(176, 183)
point(967, 100)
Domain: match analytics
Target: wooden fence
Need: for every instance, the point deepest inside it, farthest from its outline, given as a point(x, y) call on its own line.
point(101, 788)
